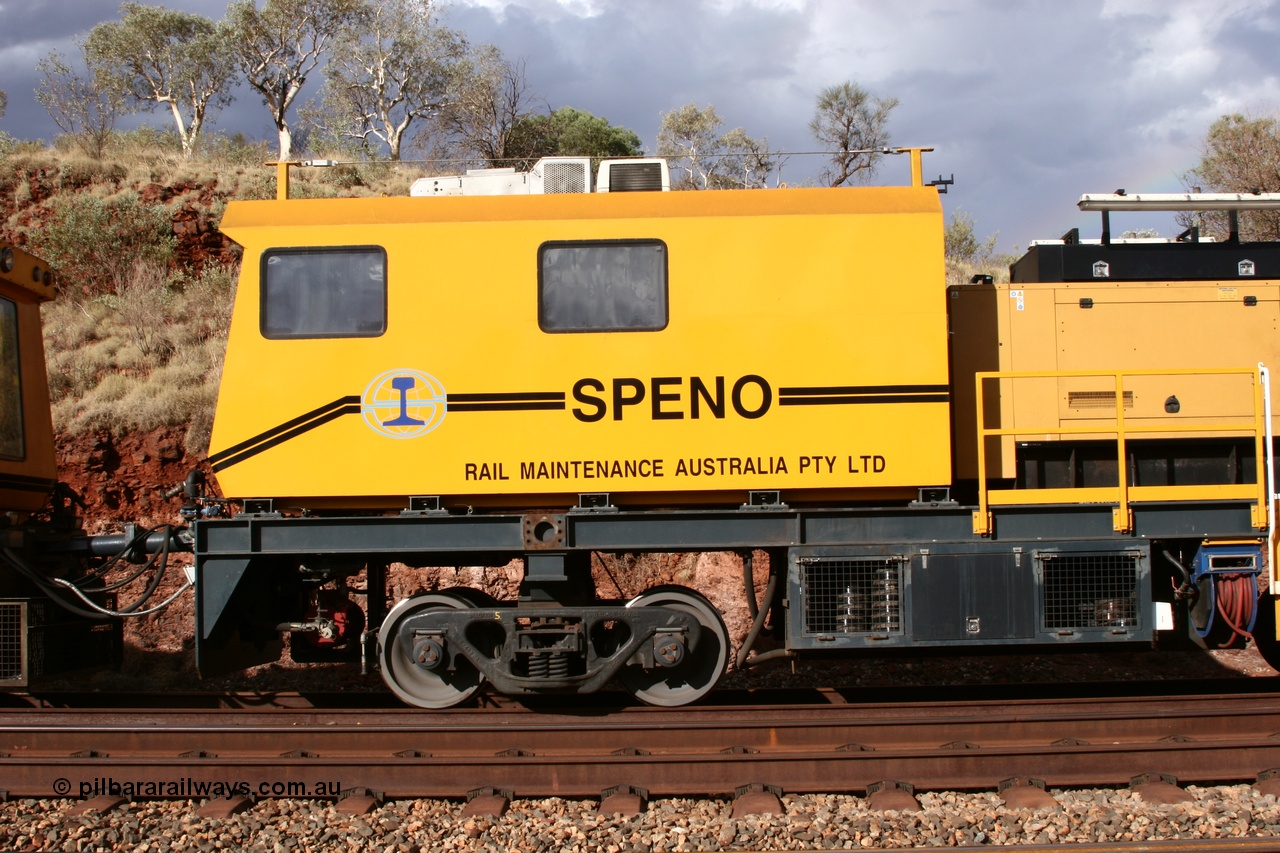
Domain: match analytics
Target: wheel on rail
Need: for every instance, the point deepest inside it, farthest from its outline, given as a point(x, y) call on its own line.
point(1264, 631)
point(704, 663)
point(413, 683)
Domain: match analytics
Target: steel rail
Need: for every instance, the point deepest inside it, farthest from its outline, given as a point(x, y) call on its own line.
point(702, 750)
point(1177, 845)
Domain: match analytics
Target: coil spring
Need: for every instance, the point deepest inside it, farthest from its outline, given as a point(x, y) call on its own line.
point(558, 665)
point(548, 665)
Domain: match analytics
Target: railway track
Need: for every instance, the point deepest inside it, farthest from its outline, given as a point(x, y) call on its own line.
point(828, 745)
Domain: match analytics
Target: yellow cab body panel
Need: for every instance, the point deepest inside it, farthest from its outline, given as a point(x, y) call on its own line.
point(465, 347)
point(1108, 326)
point(28, 466)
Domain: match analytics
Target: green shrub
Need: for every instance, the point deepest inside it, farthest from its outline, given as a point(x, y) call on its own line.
point(134, 342)
point(93, 242)
point(309, 187)
point(65, 145)
point(75, 374)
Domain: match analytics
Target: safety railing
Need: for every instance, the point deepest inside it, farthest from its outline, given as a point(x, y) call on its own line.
point(1122, 495)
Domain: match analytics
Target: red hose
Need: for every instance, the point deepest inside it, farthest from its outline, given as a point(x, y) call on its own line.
point(1235, 603)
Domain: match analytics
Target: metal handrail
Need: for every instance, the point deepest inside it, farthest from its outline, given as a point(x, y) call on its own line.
point(1123, 494)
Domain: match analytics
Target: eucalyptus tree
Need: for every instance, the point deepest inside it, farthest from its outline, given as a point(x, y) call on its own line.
point(279, 45)
point(703, 158)
point(390, 74)
point(688, 137)
point(80, 100)
point(162, 57)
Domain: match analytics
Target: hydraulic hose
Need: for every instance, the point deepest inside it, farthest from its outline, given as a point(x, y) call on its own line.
point(749, 581)
point(158, 562)
point(761, 613)
point(1235, 604)
point(1187, 589)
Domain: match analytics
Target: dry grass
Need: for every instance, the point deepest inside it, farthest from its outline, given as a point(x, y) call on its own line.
point(148, 356)
point(996, 266)
point(135, 342)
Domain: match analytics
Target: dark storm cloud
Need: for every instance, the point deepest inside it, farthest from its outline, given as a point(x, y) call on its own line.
point(634, 61)
point(23, 22)
point(31, 29)
point(1030, 104)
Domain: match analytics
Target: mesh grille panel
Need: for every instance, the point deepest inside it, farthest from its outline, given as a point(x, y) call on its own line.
point(635, 177)
point(38, 638)
point(12, 626)
point(1090, 591)
point(1097, 399)
point(857, 596)
point(564, 178)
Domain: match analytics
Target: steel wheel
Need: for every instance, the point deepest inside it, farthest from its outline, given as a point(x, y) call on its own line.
point(413, 683)
point(471, 596)
point(705, 663)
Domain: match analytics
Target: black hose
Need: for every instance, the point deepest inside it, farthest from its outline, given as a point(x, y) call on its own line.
point(165, 539)
point(53, 592)
point(116, 548)
point(776, 654)
point(158, 561)
point(123, 581)
point(760, 615)
point(102, 572)
point(1187, 589)
point(749, 581)
point(162, 564)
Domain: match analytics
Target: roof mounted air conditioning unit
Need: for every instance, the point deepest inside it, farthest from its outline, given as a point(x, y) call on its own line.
point(555, 175)
point(639, 175)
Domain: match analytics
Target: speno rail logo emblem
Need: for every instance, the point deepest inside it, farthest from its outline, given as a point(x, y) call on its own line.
point(403, 403)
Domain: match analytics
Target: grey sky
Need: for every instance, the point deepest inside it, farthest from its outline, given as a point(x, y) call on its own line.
point(1029, 104)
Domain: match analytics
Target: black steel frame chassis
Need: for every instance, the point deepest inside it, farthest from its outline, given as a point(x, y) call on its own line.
point(502, 535)
point(226, 548)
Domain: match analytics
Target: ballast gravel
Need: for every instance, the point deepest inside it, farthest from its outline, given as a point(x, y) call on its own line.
point(811, 822)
